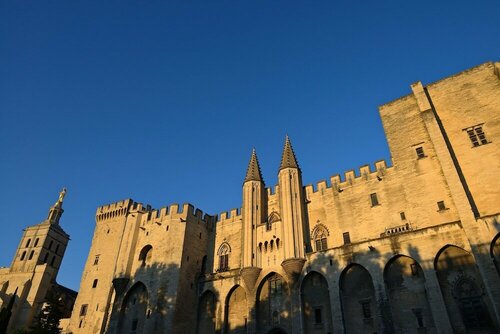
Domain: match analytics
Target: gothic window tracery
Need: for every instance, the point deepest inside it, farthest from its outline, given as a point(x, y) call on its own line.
point(223, 254)
point(320, 234)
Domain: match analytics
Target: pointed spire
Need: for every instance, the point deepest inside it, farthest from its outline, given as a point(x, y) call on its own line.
point(253, 170)
point(288, 159)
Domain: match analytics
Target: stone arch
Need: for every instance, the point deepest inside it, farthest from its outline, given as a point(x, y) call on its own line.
point(133, 311)
point(495, 252)
point(206, 313)
point(145, 255)
point(236, 311)
point(320, 235)
point(273, 304)
point(462, 290)
point(316, 308)
point(405, 283)
point(359, 305)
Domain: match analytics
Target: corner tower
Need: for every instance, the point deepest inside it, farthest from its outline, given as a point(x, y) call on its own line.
point(292, 204)
point(253, 210)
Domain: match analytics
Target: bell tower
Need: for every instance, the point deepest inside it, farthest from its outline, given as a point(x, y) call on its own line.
point(292, 205)
point(44, 243)
point(253, 210)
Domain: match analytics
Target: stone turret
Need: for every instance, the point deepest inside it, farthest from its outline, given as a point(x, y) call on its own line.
point(253, 209)
point(292, 204)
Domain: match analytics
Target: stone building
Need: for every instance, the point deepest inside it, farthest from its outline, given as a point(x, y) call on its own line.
point(31, 278)
point(410, 247)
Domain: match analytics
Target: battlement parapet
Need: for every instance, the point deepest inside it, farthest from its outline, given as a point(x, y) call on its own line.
point(229, 216)
point(185, 212)
point(113, 210)
point(350, 178)
point(272, 191)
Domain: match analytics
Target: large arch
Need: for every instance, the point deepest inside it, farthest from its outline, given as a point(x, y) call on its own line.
point(236, 314)
point(273, 304)
point(206, 313)
point(316, 308)
point(405, 283)
point(495, 252)
point(462, 290)
point(133, 312)
point(359, 305)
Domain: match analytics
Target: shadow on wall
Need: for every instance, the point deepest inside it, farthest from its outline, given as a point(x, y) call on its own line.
point(378, 293)
point(143, 302)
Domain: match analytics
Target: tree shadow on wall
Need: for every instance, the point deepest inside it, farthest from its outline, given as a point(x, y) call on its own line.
point(157, 298)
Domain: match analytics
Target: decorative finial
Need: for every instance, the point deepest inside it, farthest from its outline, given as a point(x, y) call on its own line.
point(61, 196)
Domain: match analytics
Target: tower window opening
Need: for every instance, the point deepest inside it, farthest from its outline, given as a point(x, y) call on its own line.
point(420, 152)
point(23, 255)
point(53, 261)
point(28, 243)
point(477, 136)
point(94, 284)
point(347, 238)
point(31, 254)
point(36, 242)
point(374, 199)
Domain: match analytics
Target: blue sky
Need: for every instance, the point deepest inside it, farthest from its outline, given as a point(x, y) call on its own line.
point(162, 101)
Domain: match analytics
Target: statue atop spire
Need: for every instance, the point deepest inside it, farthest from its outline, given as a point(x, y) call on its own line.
point(56, 210)
point(288, 159)
point(62, 193)
point(253, 170)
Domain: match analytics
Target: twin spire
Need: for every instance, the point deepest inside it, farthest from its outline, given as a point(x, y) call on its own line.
point(288, 160)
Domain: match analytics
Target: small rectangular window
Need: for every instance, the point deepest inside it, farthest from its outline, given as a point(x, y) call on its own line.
point(96, 260)
point(365, 307)
point(441, 206)
point(94, 284)
point(347, 238)
point(420, 152)
point(476, 135)
point(374, 199)
point(402, 215)
point(83, 309)
point(317, 316)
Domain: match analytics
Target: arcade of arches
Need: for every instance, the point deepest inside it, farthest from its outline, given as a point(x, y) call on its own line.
point(401, 303)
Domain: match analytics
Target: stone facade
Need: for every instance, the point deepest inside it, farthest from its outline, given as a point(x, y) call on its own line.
point(31, 278)
point(408, 248)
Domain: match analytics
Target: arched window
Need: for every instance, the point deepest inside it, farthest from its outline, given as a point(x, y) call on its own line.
point(23, 255)
point(145, 254)
point(271, 245)
point(45, 258)
point(57, 248)
point(320, 234)
point(50, 245)
point(53, 261)
point(36, 242)
point(28, 243)
point(31, 255)
point(273, 217)
point(223, 254)
point(278, 243)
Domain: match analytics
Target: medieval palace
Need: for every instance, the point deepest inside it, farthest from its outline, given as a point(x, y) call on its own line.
point(410, 246)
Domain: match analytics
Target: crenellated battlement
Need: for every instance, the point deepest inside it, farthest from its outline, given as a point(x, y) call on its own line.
point(185, 212)
point(350, 178)
point(113, 210)
point(230, 216)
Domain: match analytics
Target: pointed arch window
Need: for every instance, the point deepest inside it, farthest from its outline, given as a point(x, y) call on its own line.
point(320, 234)
point(223, 254)
point(273, 217)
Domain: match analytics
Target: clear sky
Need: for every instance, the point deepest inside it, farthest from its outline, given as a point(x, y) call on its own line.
point(162, 101)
